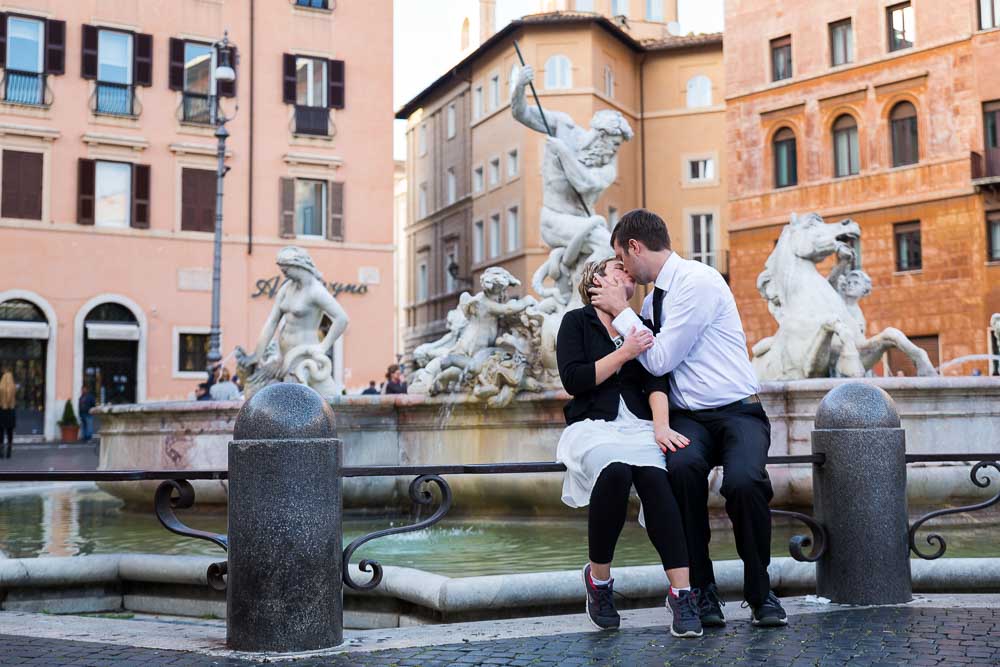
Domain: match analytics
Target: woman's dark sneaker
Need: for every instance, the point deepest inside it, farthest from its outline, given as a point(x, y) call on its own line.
point(686, 621)
point(710, 607)
point(769, 614)
point(600, 603)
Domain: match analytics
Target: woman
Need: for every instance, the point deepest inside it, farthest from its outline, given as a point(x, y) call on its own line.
point(617, 431)
point(8, 398)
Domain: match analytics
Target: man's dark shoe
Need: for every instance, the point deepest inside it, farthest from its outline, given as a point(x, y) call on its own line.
point(686, 621)
point(600, 603)
point(769, 614)
point(710, 607)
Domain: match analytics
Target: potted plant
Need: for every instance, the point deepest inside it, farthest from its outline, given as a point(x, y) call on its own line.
point(69, 425)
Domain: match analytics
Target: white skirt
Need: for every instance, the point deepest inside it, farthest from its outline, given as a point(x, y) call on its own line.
point(587, 447)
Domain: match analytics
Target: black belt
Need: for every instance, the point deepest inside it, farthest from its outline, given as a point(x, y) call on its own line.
point(752, 399)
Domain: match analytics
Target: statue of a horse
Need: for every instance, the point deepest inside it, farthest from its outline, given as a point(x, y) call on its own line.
point(817, 335)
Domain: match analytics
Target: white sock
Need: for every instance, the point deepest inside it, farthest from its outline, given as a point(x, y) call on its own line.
point(599, 582)
point(676, 591)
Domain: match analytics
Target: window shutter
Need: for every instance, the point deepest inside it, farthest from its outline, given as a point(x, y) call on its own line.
point(288, 87)
point(3, 40)
point(197, 200)
point(85, 191)
point(286, 216)
point(335, 230)
point(55, 47)
point(27, 195)
point(140, 196)
point(175, 78)
point(10, 200)
point(228, 88)
point(143, 60)
point(335, 72)
point(88, 56)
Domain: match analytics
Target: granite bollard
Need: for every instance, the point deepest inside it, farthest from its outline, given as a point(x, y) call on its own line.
point(285, 589)
point(859, 494)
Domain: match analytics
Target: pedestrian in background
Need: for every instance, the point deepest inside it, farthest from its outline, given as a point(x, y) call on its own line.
point(371, 390)
point(394, 381)
point(225, 389)
point(84, 405)
point(8, 399)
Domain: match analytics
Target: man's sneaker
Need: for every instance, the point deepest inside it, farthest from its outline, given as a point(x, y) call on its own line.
point(769, 614)
point(600, 603)
point(684, 608)
point(710, 607)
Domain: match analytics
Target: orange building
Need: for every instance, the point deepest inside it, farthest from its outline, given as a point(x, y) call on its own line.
point(108, 182)
point(886, 112)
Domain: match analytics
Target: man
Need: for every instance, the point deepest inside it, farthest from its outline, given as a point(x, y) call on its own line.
point(699, 340)
point(371, 390)
point(84, 406)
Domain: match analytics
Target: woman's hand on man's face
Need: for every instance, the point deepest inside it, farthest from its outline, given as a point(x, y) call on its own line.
point(637, 341)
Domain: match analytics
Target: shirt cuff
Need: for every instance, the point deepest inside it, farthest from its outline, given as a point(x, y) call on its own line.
point(625, 321)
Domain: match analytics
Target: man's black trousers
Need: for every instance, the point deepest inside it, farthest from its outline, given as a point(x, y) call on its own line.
point(736, 437)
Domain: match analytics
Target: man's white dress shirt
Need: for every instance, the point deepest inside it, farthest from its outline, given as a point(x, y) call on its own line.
point(701, 340)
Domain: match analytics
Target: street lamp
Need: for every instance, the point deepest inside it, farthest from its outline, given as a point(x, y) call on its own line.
point(224, 72)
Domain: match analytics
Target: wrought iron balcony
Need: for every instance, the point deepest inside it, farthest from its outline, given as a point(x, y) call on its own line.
point(986, 169)
point(196, 108)
point(28, 88)
point(114, 99)
point(312, 120)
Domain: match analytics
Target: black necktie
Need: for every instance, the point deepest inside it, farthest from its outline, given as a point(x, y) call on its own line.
point(657, 309)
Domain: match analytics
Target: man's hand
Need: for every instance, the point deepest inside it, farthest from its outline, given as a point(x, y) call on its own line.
point(668, 439)
point(637, 341)
point(608, 295)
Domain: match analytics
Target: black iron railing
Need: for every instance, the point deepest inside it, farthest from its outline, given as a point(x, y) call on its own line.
point(196, 108)
point(28, 88)
point(312, 120)
point(115, 99)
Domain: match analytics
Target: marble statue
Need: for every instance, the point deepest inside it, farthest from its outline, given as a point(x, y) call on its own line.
point(289, 348)
point(821, 329)
point(995, 325)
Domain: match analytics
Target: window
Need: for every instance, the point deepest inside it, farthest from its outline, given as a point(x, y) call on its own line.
point(619, 7)
point(609, 81)
point(841, 43)
point(513, 229)
point(451, 259)
point(989, 14)
point(901, 26)
point(494, 171)
point(477, 102)
point(495, 91)
point(197, 81)
point(494, 235)
point(114, 72)
point(781, 58)
point(478, 242)
point(21, 195)
point(785, 159)
point(477, 179)
point(310, 82)
point(512, 163)
point(701, 170)
point(313, 85)
point(422, 286)
point(654, 10)
point(112, 194)
point(558, 73)
point(702, 248)
point(422, 201)
point(450, 120)
point(422, 140)
point(699, 92)
point(515, 70)
point(612, 217)
point(584, 5)
point(313, 4)
point(310, 207)
point(24, 82)
point(452, 183)
point(903, 130)
point(992, 236)
point(198, 200)
point(899, 362)
point(907, 236)
point(192, 352)
point(845, 146)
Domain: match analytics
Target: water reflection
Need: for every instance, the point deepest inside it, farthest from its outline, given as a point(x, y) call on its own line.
point(69, 521)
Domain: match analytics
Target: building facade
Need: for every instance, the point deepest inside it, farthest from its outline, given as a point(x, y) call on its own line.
point(885, 112)
point(475, 173)
point(107, 185)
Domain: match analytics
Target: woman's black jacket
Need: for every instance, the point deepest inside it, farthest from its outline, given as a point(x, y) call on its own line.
point(582, 341)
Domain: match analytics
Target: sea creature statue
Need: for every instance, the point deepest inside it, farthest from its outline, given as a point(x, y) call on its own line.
point(821, 329)
point(995, 325)
point(289, 348)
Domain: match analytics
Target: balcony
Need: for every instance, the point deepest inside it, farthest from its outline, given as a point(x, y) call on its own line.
point(196, 108)
point(313, 121)
point(986, 169)
point(27, 88)
point(718, 260)
point(114, 99)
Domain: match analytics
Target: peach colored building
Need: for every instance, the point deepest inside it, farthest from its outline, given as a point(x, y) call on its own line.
point(107, 187)
point(474, 172)
point(885, 112)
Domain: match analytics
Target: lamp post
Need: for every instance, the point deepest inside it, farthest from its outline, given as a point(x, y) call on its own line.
point(223, 72)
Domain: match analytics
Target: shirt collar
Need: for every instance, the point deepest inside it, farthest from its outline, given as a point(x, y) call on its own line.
point(667, 273)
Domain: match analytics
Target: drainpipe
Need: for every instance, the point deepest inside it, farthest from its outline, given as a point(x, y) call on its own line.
point(250, 166)
point(642, 129)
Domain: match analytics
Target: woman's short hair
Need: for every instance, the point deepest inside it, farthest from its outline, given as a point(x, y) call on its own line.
point(588, 278)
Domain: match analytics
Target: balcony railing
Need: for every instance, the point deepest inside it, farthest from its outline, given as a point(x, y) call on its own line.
point(28, 88)
point(196, 108)
point(718, 260)
point(114, 99)
point(312, 120)
point(985, 166)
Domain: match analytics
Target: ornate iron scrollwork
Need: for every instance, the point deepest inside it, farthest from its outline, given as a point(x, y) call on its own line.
point(797, 543)
point(165, 503)
point(418, 496)
point(935, 538)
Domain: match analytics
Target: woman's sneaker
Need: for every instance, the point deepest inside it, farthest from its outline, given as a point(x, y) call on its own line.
point(686, 620)
point(710, 607)
point(600, 603)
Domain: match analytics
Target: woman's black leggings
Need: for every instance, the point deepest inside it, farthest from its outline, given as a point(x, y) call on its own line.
point(609, 505)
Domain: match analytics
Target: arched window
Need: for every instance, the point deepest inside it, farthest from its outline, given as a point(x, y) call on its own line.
point(903, 131)
point(846, 156)
point(609, 81)
point(19, 310)
point(515, 70)
point(465, 34)
point(699, 92)
point(111, 353)
point(558, 73)
point(785, 161)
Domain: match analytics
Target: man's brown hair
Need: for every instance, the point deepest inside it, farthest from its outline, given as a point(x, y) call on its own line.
point(643, 226)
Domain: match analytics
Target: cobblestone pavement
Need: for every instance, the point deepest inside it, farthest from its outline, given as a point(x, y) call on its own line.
point(866, 636)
